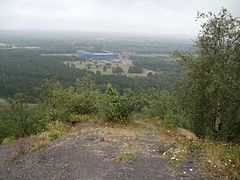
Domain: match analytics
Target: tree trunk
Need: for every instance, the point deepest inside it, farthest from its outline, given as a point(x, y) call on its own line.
point(217, 121)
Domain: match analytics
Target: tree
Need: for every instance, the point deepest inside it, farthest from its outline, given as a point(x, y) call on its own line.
point(60, 103)
point(135, 69)
point(116, 107)
point(117, 70)
point(18, 118)
point(210, 92)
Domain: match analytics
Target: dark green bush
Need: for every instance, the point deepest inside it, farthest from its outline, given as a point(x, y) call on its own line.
point(116, 107)
point(117, 70)
point(135, 69)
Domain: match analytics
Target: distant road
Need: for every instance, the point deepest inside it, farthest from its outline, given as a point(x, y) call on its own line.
point(57, 54)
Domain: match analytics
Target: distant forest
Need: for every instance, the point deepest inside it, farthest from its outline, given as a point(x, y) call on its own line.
point(22, 69)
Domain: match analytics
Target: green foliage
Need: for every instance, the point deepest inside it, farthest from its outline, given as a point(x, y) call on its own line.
point(210, 92)
point(86, 96)
point(61, 102)
point(79, 117)
point(117, 70)
point(157, 103)
point(162, 104)
point(54, 134)
point(19, 119)
point(56, 129)
point(92, 137)
point(135, 69)
point(116, 107)
point(8, 140)
point(158, 63)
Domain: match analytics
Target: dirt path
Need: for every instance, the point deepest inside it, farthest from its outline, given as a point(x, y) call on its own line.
point(94, 153)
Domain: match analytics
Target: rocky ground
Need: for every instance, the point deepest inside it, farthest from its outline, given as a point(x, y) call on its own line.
point(94, 152)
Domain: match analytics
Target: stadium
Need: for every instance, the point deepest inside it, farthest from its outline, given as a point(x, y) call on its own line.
point(97, 55)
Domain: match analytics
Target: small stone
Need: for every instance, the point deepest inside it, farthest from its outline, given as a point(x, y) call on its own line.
point(191, 169)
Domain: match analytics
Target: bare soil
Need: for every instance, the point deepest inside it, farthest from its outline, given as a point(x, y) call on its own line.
point(95, 153)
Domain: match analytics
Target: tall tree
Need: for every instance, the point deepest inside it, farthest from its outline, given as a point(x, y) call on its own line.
point(210, 92)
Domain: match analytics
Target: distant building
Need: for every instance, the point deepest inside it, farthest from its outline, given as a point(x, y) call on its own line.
point(99, 55)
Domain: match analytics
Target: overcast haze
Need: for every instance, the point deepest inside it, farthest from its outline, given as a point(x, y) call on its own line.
point(130, 16)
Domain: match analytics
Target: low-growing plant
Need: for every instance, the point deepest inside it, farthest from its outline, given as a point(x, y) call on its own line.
point(75, 118)
point(8, 140)
point(54, 134)
point(56, 129)
point(222, 159)
point(92, 137)
point(125, 156)
point(163, 147)
point(195, 147)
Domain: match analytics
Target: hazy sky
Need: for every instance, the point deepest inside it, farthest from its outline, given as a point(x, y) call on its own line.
point(131, 16)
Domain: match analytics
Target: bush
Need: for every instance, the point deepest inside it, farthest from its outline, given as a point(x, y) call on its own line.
point(56, 129)
point(117, 70)
point(8, 140)
point(62, 102)
point(53, 135)
point(19, 119)
point(135, 69)
point(117, 107)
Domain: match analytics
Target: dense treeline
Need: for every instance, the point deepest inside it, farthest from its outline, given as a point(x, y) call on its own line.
point(209, 95)
point(23, 70)
point(135, 69)
point(158, 63)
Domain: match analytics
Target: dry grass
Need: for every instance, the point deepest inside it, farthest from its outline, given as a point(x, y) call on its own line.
point(36, 142)
point(221, 159)
point(125, 156)
point(29, 144)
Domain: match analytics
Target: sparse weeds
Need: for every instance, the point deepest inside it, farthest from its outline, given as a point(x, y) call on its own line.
point(34, 143)
point(125, 156)
point(175, 155)
point(56, 129)
point(8, 140)
point(163, 147)
point(53, 134)
point(222, 159)
point(40, 143)
point(195, 147)
point(28, 144)
point(75, 118)
point(92, 137)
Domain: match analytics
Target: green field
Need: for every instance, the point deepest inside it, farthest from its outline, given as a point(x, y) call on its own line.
point(2, 101)
point(95, 66)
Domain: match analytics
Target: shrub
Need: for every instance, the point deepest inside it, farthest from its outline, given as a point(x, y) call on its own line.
point(8, 140)
point(135, 69)
point(117, 70)
point(117, 107)
point(62, 102)
point(54, 134)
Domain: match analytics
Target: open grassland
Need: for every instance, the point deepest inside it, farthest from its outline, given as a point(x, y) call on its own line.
point(95, 66)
